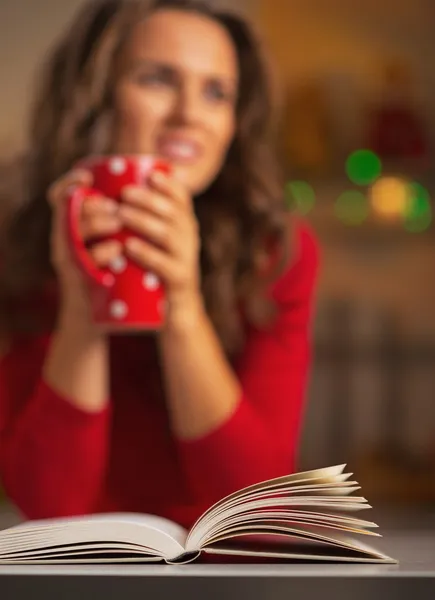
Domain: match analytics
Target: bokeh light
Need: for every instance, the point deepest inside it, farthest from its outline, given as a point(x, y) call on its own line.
point(363, 167)
point(352, 207)
point(390, 197)
point(300, 196)
point(418, 214)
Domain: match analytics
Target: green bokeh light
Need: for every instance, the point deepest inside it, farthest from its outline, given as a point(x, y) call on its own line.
point(363, 167)
point(300, 196)
point(352, 207)
point(418, 214)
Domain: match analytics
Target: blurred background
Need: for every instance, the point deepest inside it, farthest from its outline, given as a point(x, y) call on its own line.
point(357, 130)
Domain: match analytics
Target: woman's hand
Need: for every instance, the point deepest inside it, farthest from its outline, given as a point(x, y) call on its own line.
point(77, 363)
point(167, 241)
point(99, 219)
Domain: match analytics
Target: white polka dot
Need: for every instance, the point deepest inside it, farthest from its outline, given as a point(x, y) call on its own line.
point(117, 166)
point(151, 282)
point(119, 264)
point(118, 309)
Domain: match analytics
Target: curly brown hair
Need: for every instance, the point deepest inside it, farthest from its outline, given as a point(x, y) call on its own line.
point(240, 214)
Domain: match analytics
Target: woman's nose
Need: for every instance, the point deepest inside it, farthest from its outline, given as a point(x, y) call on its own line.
point(187, 104)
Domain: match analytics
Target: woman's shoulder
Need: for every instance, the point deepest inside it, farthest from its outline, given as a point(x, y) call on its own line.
point(299, 275)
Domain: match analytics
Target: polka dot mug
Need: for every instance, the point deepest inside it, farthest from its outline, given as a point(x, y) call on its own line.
point(123, 296)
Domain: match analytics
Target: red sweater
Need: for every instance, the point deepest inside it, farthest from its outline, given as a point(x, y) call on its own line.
point(58, 460)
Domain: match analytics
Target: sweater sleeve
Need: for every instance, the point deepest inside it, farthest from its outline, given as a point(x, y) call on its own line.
point(52, 455)
point(260, 439)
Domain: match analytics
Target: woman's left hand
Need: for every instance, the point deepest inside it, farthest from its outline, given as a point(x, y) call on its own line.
point(168, 240)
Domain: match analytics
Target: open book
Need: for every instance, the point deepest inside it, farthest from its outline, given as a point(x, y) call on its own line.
point(296, 517)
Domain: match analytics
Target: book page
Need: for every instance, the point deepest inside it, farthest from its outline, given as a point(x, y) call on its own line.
point(323, 489)
point(324, 475)
point(283, 540)
point(283, 519)
point(87, 551)
point(86, 559)
point(327, 475)
point(155, 535)
point(262, 547)
point(245, 511)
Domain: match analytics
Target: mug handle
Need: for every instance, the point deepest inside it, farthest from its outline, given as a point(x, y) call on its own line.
point(74, 202)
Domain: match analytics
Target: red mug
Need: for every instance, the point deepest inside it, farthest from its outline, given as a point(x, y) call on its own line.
point(123, 296)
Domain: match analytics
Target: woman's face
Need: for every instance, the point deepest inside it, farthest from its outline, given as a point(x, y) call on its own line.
point(176, 94)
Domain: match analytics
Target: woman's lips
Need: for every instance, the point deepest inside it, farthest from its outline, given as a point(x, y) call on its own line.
point(179, 150)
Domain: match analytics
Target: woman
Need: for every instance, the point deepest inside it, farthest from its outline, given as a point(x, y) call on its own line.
point(165, 424)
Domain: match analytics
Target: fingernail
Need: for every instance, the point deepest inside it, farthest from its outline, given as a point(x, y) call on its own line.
point(130, 192)
point(81, 174)
point(158, 176)
point(111, 206)
point(116, 225)
point(132, 243)
point(125, 211)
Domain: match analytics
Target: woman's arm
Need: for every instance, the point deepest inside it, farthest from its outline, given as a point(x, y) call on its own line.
point(238, 428)
point(54, 422)
point(233, 428)
point(77, 363)
point(54, 403)
point(203, 391)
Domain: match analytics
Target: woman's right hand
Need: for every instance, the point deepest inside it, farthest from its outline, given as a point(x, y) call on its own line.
point(99, 219)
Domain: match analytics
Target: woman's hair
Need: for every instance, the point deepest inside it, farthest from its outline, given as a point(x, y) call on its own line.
point(241, 214)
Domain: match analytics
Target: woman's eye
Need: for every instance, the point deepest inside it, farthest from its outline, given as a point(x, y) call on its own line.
point(157, 78)
point(217, 92)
